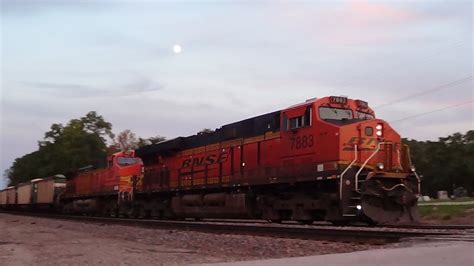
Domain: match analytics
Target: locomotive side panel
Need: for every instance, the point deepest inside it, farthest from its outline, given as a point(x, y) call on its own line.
point(250, 162)
point(106, 181)
point(94, 182)
point(270, 151)
point(83, 184)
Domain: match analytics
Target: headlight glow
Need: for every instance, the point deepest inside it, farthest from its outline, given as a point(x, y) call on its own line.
point(380, 166)
point(379, 129)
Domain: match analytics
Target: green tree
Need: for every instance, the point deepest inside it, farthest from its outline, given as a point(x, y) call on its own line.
point(65, 148)
point(205, 131)
point(126, 140)
point(446, 163)
point(149, 141)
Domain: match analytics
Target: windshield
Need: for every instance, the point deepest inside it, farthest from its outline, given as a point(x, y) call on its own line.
point(335, 113)
point(362, 115)
point(122, 161)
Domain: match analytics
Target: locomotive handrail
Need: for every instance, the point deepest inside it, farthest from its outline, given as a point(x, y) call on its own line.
point(364, 164)
point(394, 187)
point(419, 182)
point(399, 159)
point(345, 170)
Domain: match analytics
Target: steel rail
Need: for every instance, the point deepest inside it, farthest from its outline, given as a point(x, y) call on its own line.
point(342, 234)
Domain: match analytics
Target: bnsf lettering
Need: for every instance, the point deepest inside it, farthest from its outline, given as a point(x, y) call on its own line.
point(205, 160)
point(363, 143)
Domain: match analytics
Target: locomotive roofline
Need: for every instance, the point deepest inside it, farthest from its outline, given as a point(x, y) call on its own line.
point(269, 122)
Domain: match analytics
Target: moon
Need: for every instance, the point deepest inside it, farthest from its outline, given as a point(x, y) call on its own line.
point(177, 48)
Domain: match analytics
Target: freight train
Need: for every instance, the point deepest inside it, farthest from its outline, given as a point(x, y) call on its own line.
point(324, 159)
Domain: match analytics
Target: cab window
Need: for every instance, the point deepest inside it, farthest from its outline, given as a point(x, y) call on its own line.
point(362, 115)
point(301, 121)
point(330, 113)
point(124, 161)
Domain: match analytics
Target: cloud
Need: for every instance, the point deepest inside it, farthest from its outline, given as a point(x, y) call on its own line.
point(348, 23)
point(138, 85)
point(366, 14)
point(29, 7)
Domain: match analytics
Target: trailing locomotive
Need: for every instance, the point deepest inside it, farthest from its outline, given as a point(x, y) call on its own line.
point(324, 159)
point(104, 191)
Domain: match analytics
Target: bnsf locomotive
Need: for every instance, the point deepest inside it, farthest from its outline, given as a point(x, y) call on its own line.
point(324, 159)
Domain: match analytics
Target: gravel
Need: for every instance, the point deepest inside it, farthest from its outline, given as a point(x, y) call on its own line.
point(31, 240)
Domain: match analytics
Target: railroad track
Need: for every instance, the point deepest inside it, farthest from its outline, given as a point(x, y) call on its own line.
point(340, 234)
point(401, 226)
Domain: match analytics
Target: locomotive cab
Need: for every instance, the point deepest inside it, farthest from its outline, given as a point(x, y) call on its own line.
point(129, 171)
point(376, 178)
point(344, 140)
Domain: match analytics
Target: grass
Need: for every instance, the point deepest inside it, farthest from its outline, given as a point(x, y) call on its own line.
point(445, 212)
point(452, 200)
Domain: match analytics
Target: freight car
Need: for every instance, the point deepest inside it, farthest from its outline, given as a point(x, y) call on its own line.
point(47, 191)
point(3, 198)
point(11, 196)
point(8, 197)
point(37, 194)
point(24, 194)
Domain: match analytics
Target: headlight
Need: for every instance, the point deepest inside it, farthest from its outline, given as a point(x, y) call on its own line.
point(379, 129)
point(359, 207)
point(380, 166)
point(412, 168)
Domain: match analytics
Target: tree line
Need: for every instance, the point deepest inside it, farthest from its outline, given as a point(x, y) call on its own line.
point(81, 142)
point(444, 164)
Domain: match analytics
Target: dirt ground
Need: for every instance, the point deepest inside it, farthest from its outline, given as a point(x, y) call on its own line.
point(40, 241)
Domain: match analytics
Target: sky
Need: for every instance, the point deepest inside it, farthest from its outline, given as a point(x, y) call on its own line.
point(62, 59)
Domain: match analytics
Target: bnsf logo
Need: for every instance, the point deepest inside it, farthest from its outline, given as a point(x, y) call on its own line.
point(362, 143)
point(205, 160)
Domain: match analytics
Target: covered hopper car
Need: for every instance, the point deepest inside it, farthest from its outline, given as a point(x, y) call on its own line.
point(11, 196)
point(37, 194)
point(3, 198)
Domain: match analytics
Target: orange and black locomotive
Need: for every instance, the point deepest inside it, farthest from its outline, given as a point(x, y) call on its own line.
point(324, 159)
